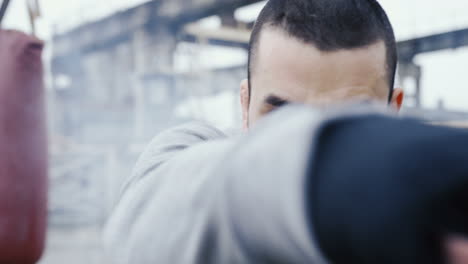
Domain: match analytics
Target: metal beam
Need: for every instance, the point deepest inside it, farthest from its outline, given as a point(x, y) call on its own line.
point(119, 27)
point(186, 11)
point(102, 33)
point(407, 49)
point(224, 36)
point(450, 40)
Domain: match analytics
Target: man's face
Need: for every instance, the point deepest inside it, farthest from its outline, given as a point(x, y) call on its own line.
point(286, 70)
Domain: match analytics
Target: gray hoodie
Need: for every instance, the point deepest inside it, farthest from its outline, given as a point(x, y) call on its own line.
point(199, 197)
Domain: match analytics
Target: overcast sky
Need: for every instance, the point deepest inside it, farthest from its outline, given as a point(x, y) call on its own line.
point(443, 73)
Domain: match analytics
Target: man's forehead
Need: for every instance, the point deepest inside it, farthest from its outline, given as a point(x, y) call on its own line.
point(283, 58)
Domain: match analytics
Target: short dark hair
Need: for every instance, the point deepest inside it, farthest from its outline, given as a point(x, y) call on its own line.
point(329, 25)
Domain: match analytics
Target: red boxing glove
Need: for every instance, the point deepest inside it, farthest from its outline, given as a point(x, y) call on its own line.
point(23, 149)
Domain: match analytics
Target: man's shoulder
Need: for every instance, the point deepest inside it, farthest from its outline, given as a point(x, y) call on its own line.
point(190, 132)
point(182, 137)
point(169, 143)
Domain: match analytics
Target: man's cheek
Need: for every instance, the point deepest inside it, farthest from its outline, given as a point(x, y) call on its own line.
point(256, 114)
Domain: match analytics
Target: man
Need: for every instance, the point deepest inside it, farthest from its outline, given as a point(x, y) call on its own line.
point(198, 197)
point(319, 53)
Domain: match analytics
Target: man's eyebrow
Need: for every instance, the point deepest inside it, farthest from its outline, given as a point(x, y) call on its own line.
point(276, 101)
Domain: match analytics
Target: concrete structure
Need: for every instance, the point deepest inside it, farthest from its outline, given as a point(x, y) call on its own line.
point(141, 40)
point(114, 87)
point(106, 62)
point(410, 48)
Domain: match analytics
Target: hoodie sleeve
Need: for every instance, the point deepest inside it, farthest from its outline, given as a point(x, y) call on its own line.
point(197, 197)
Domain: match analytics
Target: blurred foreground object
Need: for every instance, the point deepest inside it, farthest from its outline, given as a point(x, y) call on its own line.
point(23, 145)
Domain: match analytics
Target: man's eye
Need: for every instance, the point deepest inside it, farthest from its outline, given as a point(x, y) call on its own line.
point(272, 103)
point(278, 104)
point(275, 101)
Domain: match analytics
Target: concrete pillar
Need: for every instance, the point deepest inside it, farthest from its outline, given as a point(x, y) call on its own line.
point(153, 52)
point(68, 93)
point(411, 71)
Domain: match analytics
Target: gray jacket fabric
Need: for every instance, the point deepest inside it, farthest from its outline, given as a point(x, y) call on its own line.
point(199, 197)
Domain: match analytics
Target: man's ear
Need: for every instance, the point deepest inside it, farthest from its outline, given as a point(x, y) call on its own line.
point(245, 103)
point(397, 98)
